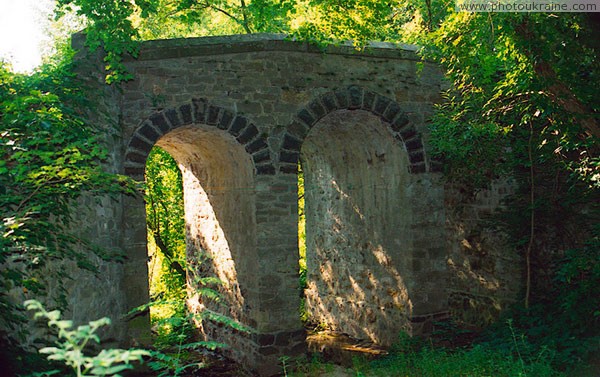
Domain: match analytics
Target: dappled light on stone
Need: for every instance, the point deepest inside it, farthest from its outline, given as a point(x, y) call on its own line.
point(218, 199)
point(358, 218)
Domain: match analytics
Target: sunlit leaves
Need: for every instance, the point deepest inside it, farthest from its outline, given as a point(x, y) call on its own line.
point(49, 158)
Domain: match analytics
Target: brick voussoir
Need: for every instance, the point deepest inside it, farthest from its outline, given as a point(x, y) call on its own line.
point(199, 110)
point(247, 134)
point(290, 143)
point(173, 118)
point(138, 142)
point(368, 100)
point(306, 116)
point(136, 156)
point(160, 122)
point(329, 101)
point(341, 96)
point(238, 124)
point(226, 119)
point(261, 156)
point(381, 105)
point(392, 113)
point(355, 97)
point(212, 115)
point(149, 132)
point(317, 108)
point(186, 113)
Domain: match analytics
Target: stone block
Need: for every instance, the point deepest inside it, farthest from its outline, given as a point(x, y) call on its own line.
point(186, 113)
point(199, 106)
point(239, 123)
point(149, 132)
point(381, 104)
point(173, 117)
point(368, 100)
point(225, 119)
point(355, 95)
point(291, 144)
point(247, 134)
point(305, 116)
point(212, 115)
point(140, 144)
point(159, 121)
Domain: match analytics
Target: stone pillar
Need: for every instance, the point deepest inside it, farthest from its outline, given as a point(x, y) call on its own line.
point(279, 329)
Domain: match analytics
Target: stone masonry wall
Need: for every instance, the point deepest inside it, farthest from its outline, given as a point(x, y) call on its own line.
point(485, 271)
point(268, 93)
point(239, 114)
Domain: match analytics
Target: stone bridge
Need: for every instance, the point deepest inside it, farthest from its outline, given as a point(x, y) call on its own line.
point(240, 114)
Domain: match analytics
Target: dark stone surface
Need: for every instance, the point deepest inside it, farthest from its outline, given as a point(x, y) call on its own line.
point(248, 134)
point(291, 157)
point(391, 112)
point(381, 105)
point(329, 102)
point(266, 169)
point(400, 122)
point(160, 122)
point(173, 118)
point(418, 168)
point(212, 117)
point(355, 95)
point(257, 145)
point(140, 144)
point(368, 100)
point(342, 98)
point(408, 133)
point(239, 123)
point(306, 117)
point(414, 144)
point(291, 144)
point(186, 113)
point(199, 109)
point(298, 130)
point(226, 118)
point(317, 108)
point(149, 132)
point(289, 168)
point(136, 156)
point(261, 156)
point(416, 156)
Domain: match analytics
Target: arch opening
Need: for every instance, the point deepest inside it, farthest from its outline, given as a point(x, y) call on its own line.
point(217, 176)
point(358, 222)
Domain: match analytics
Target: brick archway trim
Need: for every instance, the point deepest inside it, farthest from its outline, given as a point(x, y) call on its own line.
point(198, 111)
point(354, 98)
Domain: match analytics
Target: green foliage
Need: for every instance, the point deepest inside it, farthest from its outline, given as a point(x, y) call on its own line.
point(72, 345)
point(49, 158)
point(416, 357)
point(522, 103)
point(175, 328)
point(564, 325)
point(109, 27)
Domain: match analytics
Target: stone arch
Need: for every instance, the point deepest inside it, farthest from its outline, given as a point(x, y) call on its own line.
point(220, 154)
point(354, 98)
point(362, 159)
point(198, 111)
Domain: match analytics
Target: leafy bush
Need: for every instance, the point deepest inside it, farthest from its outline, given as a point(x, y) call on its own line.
point(50, 157)
point(73, 344)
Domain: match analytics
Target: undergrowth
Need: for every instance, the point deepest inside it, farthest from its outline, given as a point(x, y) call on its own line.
point(411, 357)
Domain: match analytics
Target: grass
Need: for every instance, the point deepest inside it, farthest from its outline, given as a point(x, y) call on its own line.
point(413, 358)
